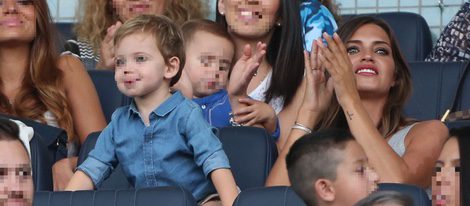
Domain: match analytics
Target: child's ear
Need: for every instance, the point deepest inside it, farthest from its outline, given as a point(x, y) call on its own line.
point(172, 67)
point(325, 190)
point(221, 7)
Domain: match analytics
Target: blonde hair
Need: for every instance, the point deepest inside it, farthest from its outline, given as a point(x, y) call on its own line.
point(98, 15)
point(167, 35)
point(42, 86)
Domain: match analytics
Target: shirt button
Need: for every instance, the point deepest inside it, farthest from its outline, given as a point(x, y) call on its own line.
point(203, 106)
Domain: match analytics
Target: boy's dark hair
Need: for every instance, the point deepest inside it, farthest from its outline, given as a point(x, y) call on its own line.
point(9, 131)
point(384, 197)
point(191, 27)
point(315, 156)
point(167, 35)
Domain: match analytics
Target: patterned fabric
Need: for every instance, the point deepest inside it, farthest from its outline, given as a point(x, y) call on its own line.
point(454, 42)
point(316, 19)
point(84, 51)
point(459, 115)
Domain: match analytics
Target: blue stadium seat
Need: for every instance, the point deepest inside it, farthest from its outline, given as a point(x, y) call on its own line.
point(434, 87)
point(269, 196)
point(162, 196)
point(110, 96)
point(251, 152)
point(65, 30)
point(419, 196)
point(411, 30)
point(117, 179)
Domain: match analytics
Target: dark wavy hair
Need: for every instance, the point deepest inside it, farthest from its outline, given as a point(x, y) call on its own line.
point(284, 52)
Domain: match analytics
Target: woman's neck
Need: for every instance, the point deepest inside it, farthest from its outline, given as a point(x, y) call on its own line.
point(374, 107)
point(14, 62)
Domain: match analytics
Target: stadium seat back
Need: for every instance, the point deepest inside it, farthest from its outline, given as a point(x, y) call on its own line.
point(434, 87)
point(109, 95)
point(251, 152)
point(269, 196)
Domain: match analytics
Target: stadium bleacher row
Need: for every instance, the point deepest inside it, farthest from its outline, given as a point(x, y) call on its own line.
point(250, 150)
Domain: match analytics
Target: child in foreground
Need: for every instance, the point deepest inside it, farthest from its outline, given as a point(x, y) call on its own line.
point(160, 139)
point(329, 168)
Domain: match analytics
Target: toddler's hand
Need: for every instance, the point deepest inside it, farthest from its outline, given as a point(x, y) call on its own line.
point(256, 112)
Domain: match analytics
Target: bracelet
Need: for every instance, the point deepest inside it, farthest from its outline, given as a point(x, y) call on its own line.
point(302, 127)
point(232, 121)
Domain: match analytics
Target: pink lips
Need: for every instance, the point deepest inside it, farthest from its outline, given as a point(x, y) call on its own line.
point(11, 22)
point(367, 70)
point(139, 7)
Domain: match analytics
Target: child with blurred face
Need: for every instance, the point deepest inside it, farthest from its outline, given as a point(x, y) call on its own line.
point(446, 187)
point(210, 53)
point(330, 168)
point(16, 182)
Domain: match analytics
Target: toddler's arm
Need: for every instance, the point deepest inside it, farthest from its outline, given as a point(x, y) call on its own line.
point(80, 181)
point(225, 185)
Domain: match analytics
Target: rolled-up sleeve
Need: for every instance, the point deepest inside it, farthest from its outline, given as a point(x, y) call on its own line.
point(102, 159)
point(206, 146)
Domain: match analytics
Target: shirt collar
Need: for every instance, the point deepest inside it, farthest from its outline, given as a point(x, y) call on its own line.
point(211, 98)
point(166, 107)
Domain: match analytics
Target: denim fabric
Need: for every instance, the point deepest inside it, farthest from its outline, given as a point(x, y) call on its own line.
point(316, 19)
point(178, 148)
point(216, 110)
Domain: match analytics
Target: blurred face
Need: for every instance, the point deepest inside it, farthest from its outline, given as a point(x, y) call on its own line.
point(16, 183)
point(446, 182)
point(17, 21)
point(140, 67)
point(127, 9)
point(354, 178)
point(250, 18)
point(371, 55)
point(209, 58)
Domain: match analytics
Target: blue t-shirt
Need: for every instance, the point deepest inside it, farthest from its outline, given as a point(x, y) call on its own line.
point(216, 110)
point(178, 148)
point(316, 19)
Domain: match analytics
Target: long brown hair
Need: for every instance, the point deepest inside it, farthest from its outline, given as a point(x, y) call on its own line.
point(42, 86)
point(392, 117)
point(95, 16)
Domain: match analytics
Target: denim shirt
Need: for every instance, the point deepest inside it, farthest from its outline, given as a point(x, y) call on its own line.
point(216, 109)
point(178, 148)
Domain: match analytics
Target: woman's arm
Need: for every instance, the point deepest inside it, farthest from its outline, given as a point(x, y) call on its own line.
point(82, 97)
point(225, 185)
point(317, 96)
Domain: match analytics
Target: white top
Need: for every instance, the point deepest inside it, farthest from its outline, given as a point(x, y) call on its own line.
point(259, 93)
point(397, 141)
point(26, 134)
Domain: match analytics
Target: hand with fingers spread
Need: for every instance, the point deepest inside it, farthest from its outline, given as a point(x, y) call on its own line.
point(336, 61)
point(244, 69)
point(256, 112)
point(107, 48)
